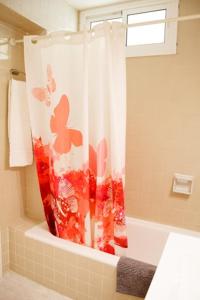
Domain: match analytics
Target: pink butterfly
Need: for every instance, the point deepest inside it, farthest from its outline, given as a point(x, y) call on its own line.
point(97, 159)
point(43, 94)
point(65, 137)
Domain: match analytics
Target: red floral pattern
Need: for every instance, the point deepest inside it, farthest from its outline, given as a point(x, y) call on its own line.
point(69, 198)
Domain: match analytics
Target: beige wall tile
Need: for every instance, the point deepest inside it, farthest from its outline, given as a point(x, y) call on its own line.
point(71, 270)
point(96, 280)
point(83, 274)
point(4, 251)
point(83, 287)
point(162, 129)
point(11, 180)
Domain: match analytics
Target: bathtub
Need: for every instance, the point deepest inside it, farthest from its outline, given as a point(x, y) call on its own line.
point(77, 271)
point(146, 241)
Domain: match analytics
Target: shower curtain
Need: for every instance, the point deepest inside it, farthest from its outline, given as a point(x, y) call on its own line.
point(77, 101)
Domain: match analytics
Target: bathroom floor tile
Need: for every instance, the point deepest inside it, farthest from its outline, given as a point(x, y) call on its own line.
point(17, 287)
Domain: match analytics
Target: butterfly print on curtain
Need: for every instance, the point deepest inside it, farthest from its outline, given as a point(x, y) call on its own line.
point(65, 136)
point(89, 192)
point(43, 94)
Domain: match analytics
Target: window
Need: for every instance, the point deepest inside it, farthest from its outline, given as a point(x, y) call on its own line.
point(94, 23)
point(147, 34)
point(141, 40)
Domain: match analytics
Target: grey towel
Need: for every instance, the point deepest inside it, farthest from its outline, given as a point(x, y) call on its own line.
point(134, 277)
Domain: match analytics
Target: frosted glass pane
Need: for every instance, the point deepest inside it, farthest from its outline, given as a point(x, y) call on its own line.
point(100, 22)
point(147, 34)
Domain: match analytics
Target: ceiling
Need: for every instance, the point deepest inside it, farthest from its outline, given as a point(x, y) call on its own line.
point(15, 19)
point(84, 4)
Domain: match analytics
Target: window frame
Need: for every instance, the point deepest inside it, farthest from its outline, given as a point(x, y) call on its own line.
point(135, 7)
point(102, 17)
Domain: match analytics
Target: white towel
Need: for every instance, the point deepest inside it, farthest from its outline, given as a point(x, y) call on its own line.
point(19, 132)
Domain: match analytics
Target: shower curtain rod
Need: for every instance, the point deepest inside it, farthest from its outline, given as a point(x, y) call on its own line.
point(13, 42)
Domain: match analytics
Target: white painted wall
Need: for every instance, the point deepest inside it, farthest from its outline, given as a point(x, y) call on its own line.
point(80, 4)
point(52, 15)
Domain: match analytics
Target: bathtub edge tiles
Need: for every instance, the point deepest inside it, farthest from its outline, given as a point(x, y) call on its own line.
point(68, 271)
point(4, 251)
point(40, 232)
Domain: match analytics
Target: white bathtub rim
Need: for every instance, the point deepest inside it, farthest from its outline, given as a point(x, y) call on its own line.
point(162, 227)
point(41, 233)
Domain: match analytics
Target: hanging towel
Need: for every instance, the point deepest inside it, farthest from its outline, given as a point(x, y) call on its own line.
point(134, 277)
point(19, 132)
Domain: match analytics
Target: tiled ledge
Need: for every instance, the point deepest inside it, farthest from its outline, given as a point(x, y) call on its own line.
point(1, 261)
point(4, 251)
point(73, 275)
